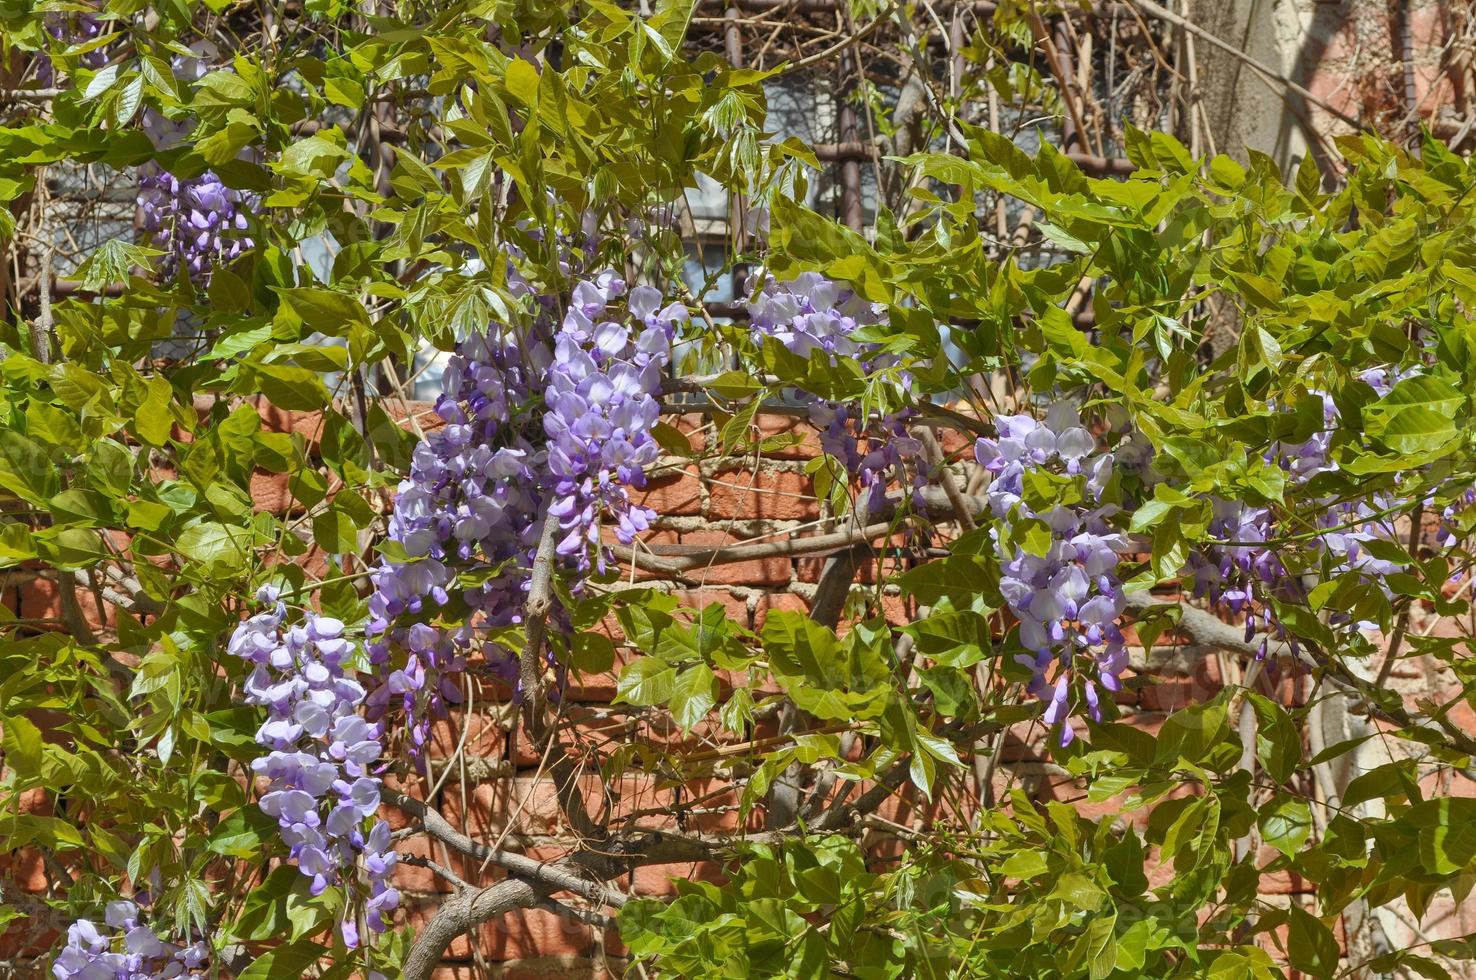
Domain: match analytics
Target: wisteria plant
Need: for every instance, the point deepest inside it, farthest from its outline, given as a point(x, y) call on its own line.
point(331, 485)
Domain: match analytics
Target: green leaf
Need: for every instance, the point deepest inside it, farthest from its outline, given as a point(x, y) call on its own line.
point(593, 653)
point(25, 468)
point(314, 157)
point(335, 533)
point(646, 681)
point(291, 387)
point(285, 961)
point(1285, 823)
point(1447, 833)
point(241, 834)
point(22, 743)
point(1392, 779)
point(154, 419)
point(1310, 945)
point(1024, 865)
point(101, 82)
point(693, 695)
point(962, 579)
point(224, 88)
point(1419, 415)
point(522, 81)
point(217, 546)
point(1278, 741)
point(112, 262)
point(326, 311)
point(128, 101)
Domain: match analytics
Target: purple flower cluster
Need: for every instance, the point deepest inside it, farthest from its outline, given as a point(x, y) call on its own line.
point(600, 406)
point(1245, 573)
point(1449, 531)
point(551, 425)
point(472, 501)
point(1066, 595)
point(124, 949)
point(323, 789)
point(814, 316)
point(812, 313)
point(199, 222)
point(72, 28)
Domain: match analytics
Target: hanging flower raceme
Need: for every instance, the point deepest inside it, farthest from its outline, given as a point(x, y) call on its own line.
point(1064, 592)
point(812, 315)
point(197, 221)
point(124, 948)
point(1246, 572)
point(554, 424)
point(73, 28)
point(321, 761)
point(601, 404)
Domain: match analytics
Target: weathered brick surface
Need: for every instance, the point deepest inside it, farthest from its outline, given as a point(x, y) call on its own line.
point(778, 601)
point(750, 494)
point(674, 494)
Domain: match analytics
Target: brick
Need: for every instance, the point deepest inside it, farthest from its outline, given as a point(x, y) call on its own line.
point(749, 495)
point(898, 610)
point(655, 542)
point(527, 934)
point(596, 688)
point(476, 734)
point(531, 805)
point(610, 626)
point(955, 443)
point(271, 493)
point(659, 880)
point(721, 810)
point(31, 937)
point(580, 729)
point(888, 565)
point(412, 878)
point(694, 426)
point(782, 601)
point(40, 598)
point(674, 495)
point(773, 570)
point(26, 869)
point(417, 912)
point(560, 968)
point(273, 419)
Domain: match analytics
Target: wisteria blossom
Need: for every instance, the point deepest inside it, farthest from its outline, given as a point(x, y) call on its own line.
point(1067, 595)
point(198, 221)
point(1245, 571)
point(73, 28)
point(601, 404)
point(320, 767)
point(815, 316)
point(123, 947)
point(551, 424)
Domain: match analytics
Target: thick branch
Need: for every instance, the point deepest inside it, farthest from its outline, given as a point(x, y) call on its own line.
point(545, 873)
point(540, 602)
point(464, 912)
point(1209, 631)
point(938, 507)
